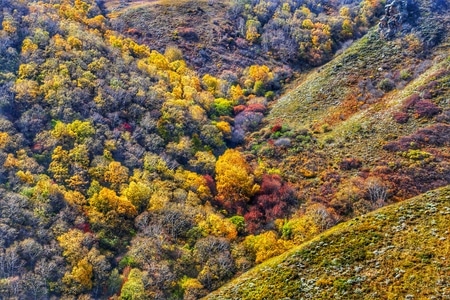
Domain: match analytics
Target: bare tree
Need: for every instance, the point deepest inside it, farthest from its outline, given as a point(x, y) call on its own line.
point(377, 192)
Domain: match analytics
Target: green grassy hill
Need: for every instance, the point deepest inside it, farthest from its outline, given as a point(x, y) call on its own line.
point(398, 252)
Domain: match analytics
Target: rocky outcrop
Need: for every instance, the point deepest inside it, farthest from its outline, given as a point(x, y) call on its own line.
point(398, 17)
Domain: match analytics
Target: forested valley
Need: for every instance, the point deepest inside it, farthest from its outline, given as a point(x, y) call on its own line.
point(143, 157)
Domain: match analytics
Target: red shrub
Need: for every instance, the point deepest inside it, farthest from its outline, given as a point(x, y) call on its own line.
point(272, 202)
point(85, 227)
point(401, 117)
point(210, 183)
point(350, 163)
point(188, 33)
point(253, 219)
point(276, 128)
point(410, 101)
point(435, 135)
point(238, 109)
point(256, 107)
point(270, 184)
point(126, 127)
point(444, 117)
point(426, 108)
point(134, 31)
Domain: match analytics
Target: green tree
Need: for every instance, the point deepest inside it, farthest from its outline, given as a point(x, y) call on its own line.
point(133, 289)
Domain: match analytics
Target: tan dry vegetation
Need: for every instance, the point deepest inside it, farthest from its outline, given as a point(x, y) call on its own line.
point(374, 256)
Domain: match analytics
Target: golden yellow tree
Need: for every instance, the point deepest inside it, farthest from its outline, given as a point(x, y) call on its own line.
point(107, 200)
point(116, 174)
point(233, 176)
point(80, 278)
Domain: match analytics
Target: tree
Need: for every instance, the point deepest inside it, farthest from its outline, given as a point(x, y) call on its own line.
point(252, 34)
point(107, 200)
point(59, 166)
point(266, 245)
point(219, 226)
point(133, 289)
point(138, 194)
point(79, 280)
point(72, 244)
point(235, 183)
point(116, 174)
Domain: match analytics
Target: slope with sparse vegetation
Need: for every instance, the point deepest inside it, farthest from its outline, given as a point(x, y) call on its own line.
point(398, 252)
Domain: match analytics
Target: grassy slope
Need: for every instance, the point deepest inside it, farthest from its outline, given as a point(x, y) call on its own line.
point(360, 126)
point(396, 251)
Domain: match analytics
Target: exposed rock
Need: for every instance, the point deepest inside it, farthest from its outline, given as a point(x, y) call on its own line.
point(399, 16)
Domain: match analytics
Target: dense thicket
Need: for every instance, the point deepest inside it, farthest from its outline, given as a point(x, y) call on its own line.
point(109, 156)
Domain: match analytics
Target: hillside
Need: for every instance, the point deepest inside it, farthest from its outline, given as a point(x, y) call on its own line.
point(377, 114)
point(397, 252)
point(159, 149)
point(223, 37)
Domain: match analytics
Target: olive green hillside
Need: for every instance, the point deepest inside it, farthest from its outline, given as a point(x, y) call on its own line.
point(376, 115)
point(401, 251)
point(351, 102)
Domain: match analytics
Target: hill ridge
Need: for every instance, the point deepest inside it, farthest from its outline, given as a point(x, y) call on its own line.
point(422, 215)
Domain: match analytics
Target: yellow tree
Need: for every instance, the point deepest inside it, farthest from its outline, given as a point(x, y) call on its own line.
point(233, 176)
point(133, 289)
point(107, 200)
point(266, 245)
point(72, 244)
point(138, 194)
point(59, 166)
point(4, 139)
point(116, 174)
point(80, 279)
point(219, 226)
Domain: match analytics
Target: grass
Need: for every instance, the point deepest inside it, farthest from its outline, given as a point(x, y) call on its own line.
point(347, 115)
point(399, 251)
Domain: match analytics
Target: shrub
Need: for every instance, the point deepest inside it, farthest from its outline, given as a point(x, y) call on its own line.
point(238, 109)
point(400, 117)
point(426, 108)
point(405, 75)
point(283, 142)
point(173, 53)
point(256, 107)
point(271, 202)
point(248, 120)
point(350, 163)
point(437, 135)
point(276, 128)
point(410, 101)
point(444, 117)
point(222, 107)
point(416, 154)
point(386, 85)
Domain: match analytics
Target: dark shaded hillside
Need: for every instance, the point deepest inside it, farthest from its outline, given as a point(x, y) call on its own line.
point(397, 252)
point(221, 36)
